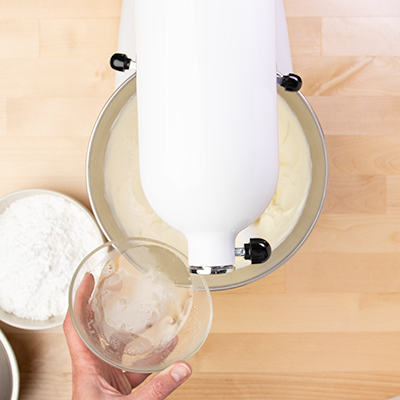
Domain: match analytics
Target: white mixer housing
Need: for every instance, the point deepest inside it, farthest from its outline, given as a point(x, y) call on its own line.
point(207, 112)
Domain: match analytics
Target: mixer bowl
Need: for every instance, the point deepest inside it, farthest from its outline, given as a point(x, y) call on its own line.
point(312, 209)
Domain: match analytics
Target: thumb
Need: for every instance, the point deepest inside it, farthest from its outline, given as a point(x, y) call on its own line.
point(164, 383)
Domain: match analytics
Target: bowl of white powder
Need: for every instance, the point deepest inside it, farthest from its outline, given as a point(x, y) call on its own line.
point(44, 235)
point(135, 305)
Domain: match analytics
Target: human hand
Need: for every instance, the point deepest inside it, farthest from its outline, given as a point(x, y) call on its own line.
point(93, 379)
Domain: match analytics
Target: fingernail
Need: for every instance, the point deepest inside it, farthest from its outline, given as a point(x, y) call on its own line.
point(180, 372)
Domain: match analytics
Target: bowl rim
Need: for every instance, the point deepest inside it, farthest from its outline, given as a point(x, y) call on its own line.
point(56, 320)
point(13, 365)
point(88, 344)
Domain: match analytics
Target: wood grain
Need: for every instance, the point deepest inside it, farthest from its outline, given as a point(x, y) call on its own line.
point(316, 312)
point(36, 153)
point(305, 36)
point(393, 194)
point(276, 283)
point(341, 36)
point(338, 272)
point(349, 75)
point(20, 9)
point(299, 352)
point(342, 8)
point(345, 115)
point(3, 116)
point(294, 386)
point(364, 154)
point(19, 37)
point(40, 116)
point(47, 78)
point(355, 233)
point(326, 325)
point(79, 9)
point(356, 194)
point(67, 38)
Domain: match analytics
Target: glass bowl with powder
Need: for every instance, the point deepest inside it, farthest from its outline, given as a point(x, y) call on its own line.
point(135, 305)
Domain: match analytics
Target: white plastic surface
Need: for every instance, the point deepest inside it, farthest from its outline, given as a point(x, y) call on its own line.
point(207, 110)
point(283, 54)
point(127, 45)
point(126, 38)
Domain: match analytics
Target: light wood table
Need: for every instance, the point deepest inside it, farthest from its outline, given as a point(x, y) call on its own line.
point(324, 326)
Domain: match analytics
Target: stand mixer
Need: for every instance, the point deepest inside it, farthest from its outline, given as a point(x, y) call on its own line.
point(202, 133)
point(201, 137)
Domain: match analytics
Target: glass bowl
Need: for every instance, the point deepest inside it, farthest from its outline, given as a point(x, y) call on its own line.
point(135, 305)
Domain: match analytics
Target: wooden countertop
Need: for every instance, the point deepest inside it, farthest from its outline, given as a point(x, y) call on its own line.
point(324, 326)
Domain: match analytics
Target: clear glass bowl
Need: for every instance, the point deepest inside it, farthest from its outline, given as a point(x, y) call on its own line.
point(135, 305)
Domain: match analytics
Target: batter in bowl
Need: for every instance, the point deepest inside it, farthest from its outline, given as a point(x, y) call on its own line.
point(136, 218)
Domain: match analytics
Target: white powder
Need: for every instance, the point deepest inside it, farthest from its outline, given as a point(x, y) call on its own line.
point(43, 238)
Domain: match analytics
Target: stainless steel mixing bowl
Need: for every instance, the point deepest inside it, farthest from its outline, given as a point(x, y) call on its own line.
point(9, 373)
point(311, 212)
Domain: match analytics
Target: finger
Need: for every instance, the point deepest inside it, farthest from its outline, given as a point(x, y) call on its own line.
point(136, 378)
point(87, 368)
point(85, 289)
point(82, 297)
point(80, 354)
point(85, 377)
point(73, 340)
point(164, 383)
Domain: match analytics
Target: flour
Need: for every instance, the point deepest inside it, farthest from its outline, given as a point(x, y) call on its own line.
point(43, 238)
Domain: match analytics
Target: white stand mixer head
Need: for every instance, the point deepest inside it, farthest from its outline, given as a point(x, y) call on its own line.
point(207, 111)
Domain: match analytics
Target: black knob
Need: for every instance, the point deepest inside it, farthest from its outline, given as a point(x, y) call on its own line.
point(291, 82)
point(120, 62)
point(258, 251)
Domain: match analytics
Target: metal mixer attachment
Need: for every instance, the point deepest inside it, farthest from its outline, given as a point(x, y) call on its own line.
point(290, 82)
point(257, 251)
point(121, 62)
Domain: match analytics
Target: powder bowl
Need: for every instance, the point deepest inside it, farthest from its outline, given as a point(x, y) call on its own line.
point(33, 280)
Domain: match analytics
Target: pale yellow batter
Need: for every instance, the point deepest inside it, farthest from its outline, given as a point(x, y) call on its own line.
point(135, 217)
